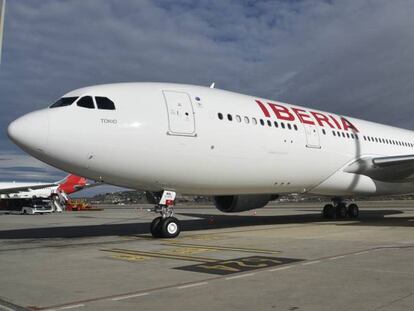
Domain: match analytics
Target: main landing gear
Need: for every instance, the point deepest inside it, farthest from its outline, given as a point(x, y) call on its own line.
point(165, 226)
point(340, 210)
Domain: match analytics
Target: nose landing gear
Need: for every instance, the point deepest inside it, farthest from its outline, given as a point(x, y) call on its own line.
point(340, 210)
point(165, 226)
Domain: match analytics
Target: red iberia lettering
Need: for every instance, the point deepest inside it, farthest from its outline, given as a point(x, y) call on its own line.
point(264, 109)
point(282, 112)
point(336, 122)
point(348, 125)
point(321, 118)
point(307, 117)
point(303, 116)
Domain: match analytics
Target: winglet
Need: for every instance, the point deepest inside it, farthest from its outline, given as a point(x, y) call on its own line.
point(212, 85)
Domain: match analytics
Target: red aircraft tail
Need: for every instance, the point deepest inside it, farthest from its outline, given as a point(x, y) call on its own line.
point(72, 183)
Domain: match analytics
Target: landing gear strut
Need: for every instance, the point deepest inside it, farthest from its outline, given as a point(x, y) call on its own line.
point(340, 210)
point(165, 226)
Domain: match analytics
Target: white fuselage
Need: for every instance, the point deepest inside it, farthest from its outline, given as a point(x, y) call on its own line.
point(170, 136)
point(44, 192)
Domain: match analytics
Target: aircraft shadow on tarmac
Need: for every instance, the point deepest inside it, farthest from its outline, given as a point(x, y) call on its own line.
point(206, 222)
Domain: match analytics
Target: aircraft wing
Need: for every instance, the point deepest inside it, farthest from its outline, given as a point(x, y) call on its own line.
point(94, 184)
point(10, 188)
point(386, 169)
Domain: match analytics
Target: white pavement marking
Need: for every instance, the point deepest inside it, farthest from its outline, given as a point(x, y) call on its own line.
point(310, 262)
point(361, 253)
point(192, 285)
point(337, 257)
point(239, 276)
point(281, 268)
point(129, 296)
point(6, 308)
point(67, 307)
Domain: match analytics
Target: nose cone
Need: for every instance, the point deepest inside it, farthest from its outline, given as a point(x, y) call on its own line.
point(30, 132)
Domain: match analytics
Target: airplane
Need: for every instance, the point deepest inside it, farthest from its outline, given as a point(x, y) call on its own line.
point(68, 185)
point(242, 150)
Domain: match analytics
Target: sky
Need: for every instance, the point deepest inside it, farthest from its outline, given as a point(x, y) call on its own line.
point(351, 57)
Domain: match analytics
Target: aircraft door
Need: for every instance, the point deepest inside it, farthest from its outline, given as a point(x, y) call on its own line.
point(181, 119)
point(312, 136)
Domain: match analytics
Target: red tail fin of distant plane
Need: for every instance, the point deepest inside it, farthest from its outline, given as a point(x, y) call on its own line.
point(72, 184)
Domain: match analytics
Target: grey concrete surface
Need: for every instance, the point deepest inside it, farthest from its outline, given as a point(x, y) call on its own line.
point(107, 260)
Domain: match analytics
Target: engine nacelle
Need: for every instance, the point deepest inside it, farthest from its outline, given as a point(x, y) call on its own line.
point(241, 203)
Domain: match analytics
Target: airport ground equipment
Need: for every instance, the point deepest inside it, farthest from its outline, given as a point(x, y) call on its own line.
point(26, 206)
point(79, 205)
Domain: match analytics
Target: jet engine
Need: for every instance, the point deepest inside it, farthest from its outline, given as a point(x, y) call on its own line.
point(241, 203)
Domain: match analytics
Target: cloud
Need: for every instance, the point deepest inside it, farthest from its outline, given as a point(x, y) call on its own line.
point(350, 57)
point(15, 166)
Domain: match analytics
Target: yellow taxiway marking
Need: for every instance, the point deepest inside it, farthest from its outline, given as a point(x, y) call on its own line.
point(129, 257)
point(159, 255)
point(225, 248)
point(186, 251)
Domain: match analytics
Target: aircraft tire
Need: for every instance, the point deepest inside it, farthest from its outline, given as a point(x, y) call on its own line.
point(353, 211)
point(170, 227)
point(341, 211)
point(155, 227)
point(328, 211)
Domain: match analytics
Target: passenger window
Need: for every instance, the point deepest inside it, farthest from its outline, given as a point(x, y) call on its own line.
point(343, 134)
point(254, 121)
point(289, 126)
point(282, 125)
point(333, 132)
point(104, 103)
point(246, 120)
point(269, 123)
point(276, 124)
point(238, 118)
point(86, 102)
point(64, 101)
point(323, 132)
point(262, 122)
point(347, 135)
point(220, 116)
point(229, 117)
point(296, 127)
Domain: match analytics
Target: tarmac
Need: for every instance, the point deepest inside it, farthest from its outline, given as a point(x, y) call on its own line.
point(283, 257)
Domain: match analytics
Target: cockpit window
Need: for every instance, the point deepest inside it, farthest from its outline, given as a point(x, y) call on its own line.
point(64, 101)
point(104, 103)
point(86, 102)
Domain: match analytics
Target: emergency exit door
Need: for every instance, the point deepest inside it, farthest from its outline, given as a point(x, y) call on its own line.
point(181, 120)
point(312, 136)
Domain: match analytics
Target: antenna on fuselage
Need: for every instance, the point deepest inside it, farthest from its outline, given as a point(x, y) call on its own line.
point(212, 85)
point(2, 11)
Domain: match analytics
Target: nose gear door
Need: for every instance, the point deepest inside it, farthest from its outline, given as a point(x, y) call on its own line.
point(181, 119)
